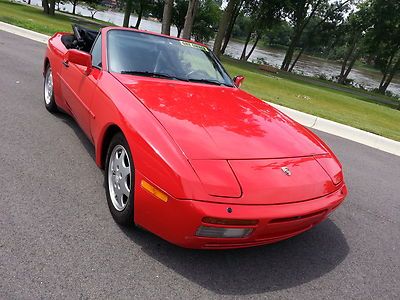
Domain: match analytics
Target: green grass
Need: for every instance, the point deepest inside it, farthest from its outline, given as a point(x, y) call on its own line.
point(291, 91)
point(34, 19)
point(323, 102)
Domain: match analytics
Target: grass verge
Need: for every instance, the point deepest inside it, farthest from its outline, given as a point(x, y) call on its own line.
point(33, 18)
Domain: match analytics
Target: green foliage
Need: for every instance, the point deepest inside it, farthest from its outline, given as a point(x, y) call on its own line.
point(278, 35)
point(383, 38)
point(179, 13)
point(241, 26)
point(206, 20)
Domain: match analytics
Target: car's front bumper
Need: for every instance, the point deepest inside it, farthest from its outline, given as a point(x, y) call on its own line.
point(177, 221)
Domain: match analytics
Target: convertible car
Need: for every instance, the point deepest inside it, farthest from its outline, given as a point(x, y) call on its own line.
point(187, 154)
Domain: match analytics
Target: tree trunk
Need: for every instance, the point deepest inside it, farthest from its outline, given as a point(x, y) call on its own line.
point(317, 26)
point(300, 26)
point(167, 17)
point(290, 51)
point(127, 14)
point(385, 72)
point(74, 3)
point(342, 77)
point(254, 46)
point(230, 27)
point(139, 17)
point(388, 79)
point(297, 58)
point(248, 37)
point(29, 2)
point(189, 19)
point(52, 7)
point(223, 25)
point(179, 29)
point(45, 4)
point(350, 67)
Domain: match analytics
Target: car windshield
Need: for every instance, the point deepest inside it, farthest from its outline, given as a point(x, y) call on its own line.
point(144, 54)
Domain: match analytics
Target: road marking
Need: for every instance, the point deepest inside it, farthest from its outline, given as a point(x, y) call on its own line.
point(334, 128)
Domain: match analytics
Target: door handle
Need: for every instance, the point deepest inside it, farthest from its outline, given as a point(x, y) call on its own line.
point(65, 63)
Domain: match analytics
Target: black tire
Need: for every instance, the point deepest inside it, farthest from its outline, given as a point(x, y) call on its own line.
point(125, 216)
point(49, 101)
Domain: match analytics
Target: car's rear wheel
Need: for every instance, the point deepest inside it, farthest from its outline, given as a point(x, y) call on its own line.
point(119, 180)
point(48, 91)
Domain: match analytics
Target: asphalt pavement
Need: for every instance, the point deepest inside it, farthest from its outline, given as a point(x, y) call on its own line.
point(58, 239)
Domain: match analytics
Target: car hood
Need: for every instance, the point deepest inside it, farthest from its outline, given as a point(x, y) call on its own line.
point(213, 122)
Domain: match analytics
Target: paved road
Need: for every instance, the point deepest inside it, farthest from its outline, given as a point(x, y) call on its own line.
point(58, 240)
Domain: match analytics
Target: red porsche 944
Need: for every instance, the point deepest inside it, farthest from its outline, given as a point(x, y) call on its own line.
point(187, 154)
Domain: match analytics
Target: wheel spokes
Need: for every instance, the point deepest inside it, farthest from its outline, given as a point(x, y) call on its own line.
point(119, 177)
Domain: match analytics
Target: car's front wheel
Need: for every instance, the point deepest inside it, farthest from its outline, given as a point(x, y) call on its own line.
point(119, 179)
point(48, 91)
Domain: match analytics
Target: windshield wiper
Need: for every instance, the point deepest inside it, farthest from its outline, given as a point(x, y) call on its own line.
point(209, 81)
point(152, 74)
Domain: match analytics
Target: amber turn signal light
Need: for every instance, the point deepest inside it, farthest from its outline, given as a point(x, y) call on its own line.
point(153, 190)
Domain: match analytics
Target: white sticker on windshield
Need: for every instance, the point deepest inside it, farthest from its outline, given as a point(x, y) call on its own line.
point(187, 44)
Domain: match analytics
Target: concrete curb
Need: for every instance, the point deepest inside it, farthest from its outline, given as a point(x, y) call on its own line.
point(39, 37)
point(344, 131)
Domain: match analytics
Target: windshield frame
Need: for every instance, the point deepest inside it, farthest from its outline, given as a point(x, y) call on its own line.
point(228, 81)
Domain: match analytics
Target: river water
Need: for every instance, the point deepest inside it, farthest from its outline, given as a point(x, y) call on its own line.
point(309, 66)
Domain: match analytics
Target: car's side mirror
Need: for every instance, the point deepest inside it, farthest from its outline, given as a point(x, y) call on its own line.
point(238, 80)
point(80, 58)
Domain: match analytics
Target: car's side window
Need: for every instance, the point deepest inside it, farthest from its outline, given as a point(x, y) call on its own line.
point(96, 53)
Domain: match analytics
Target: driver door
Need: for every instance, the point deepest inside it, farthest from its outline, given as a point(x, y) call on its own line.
point(78, 88)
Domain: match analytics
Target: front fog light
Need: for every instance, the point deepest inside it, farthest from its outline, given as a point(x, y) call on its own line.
point(220, 232)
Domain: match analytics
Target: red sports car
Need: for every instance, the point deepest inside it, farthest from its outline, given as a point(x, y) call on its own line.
point(187, 154)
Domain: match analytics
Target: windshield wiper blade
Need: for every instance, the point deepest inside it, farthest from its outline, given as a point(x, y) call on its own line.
point(209, 81)
point(152, 74)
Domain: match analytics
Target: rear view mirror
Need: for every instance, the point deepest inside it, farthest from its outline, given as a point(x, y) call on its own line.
point(238, 80)
point(80, 58)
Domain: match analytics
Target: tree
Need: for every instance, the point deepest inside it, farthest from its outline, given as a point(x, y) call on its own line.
point(263, 14)
point(300, 14)
point(278, 34)
point(189, 19)
point(179, 14)
point(231, 25)
point(167, 17)
point(206, 21)
point(127, 13)
point(354, 31)
point(142, 8)
point(74, 3)
point(94, 6)
point(326, 18)
point(49, 6)
point(223, 25)
point(383, 39)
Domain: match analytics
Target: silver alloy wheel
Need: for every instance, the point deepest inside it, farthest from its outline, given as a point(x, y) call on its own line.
point(48, 86)
point(119, 177)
